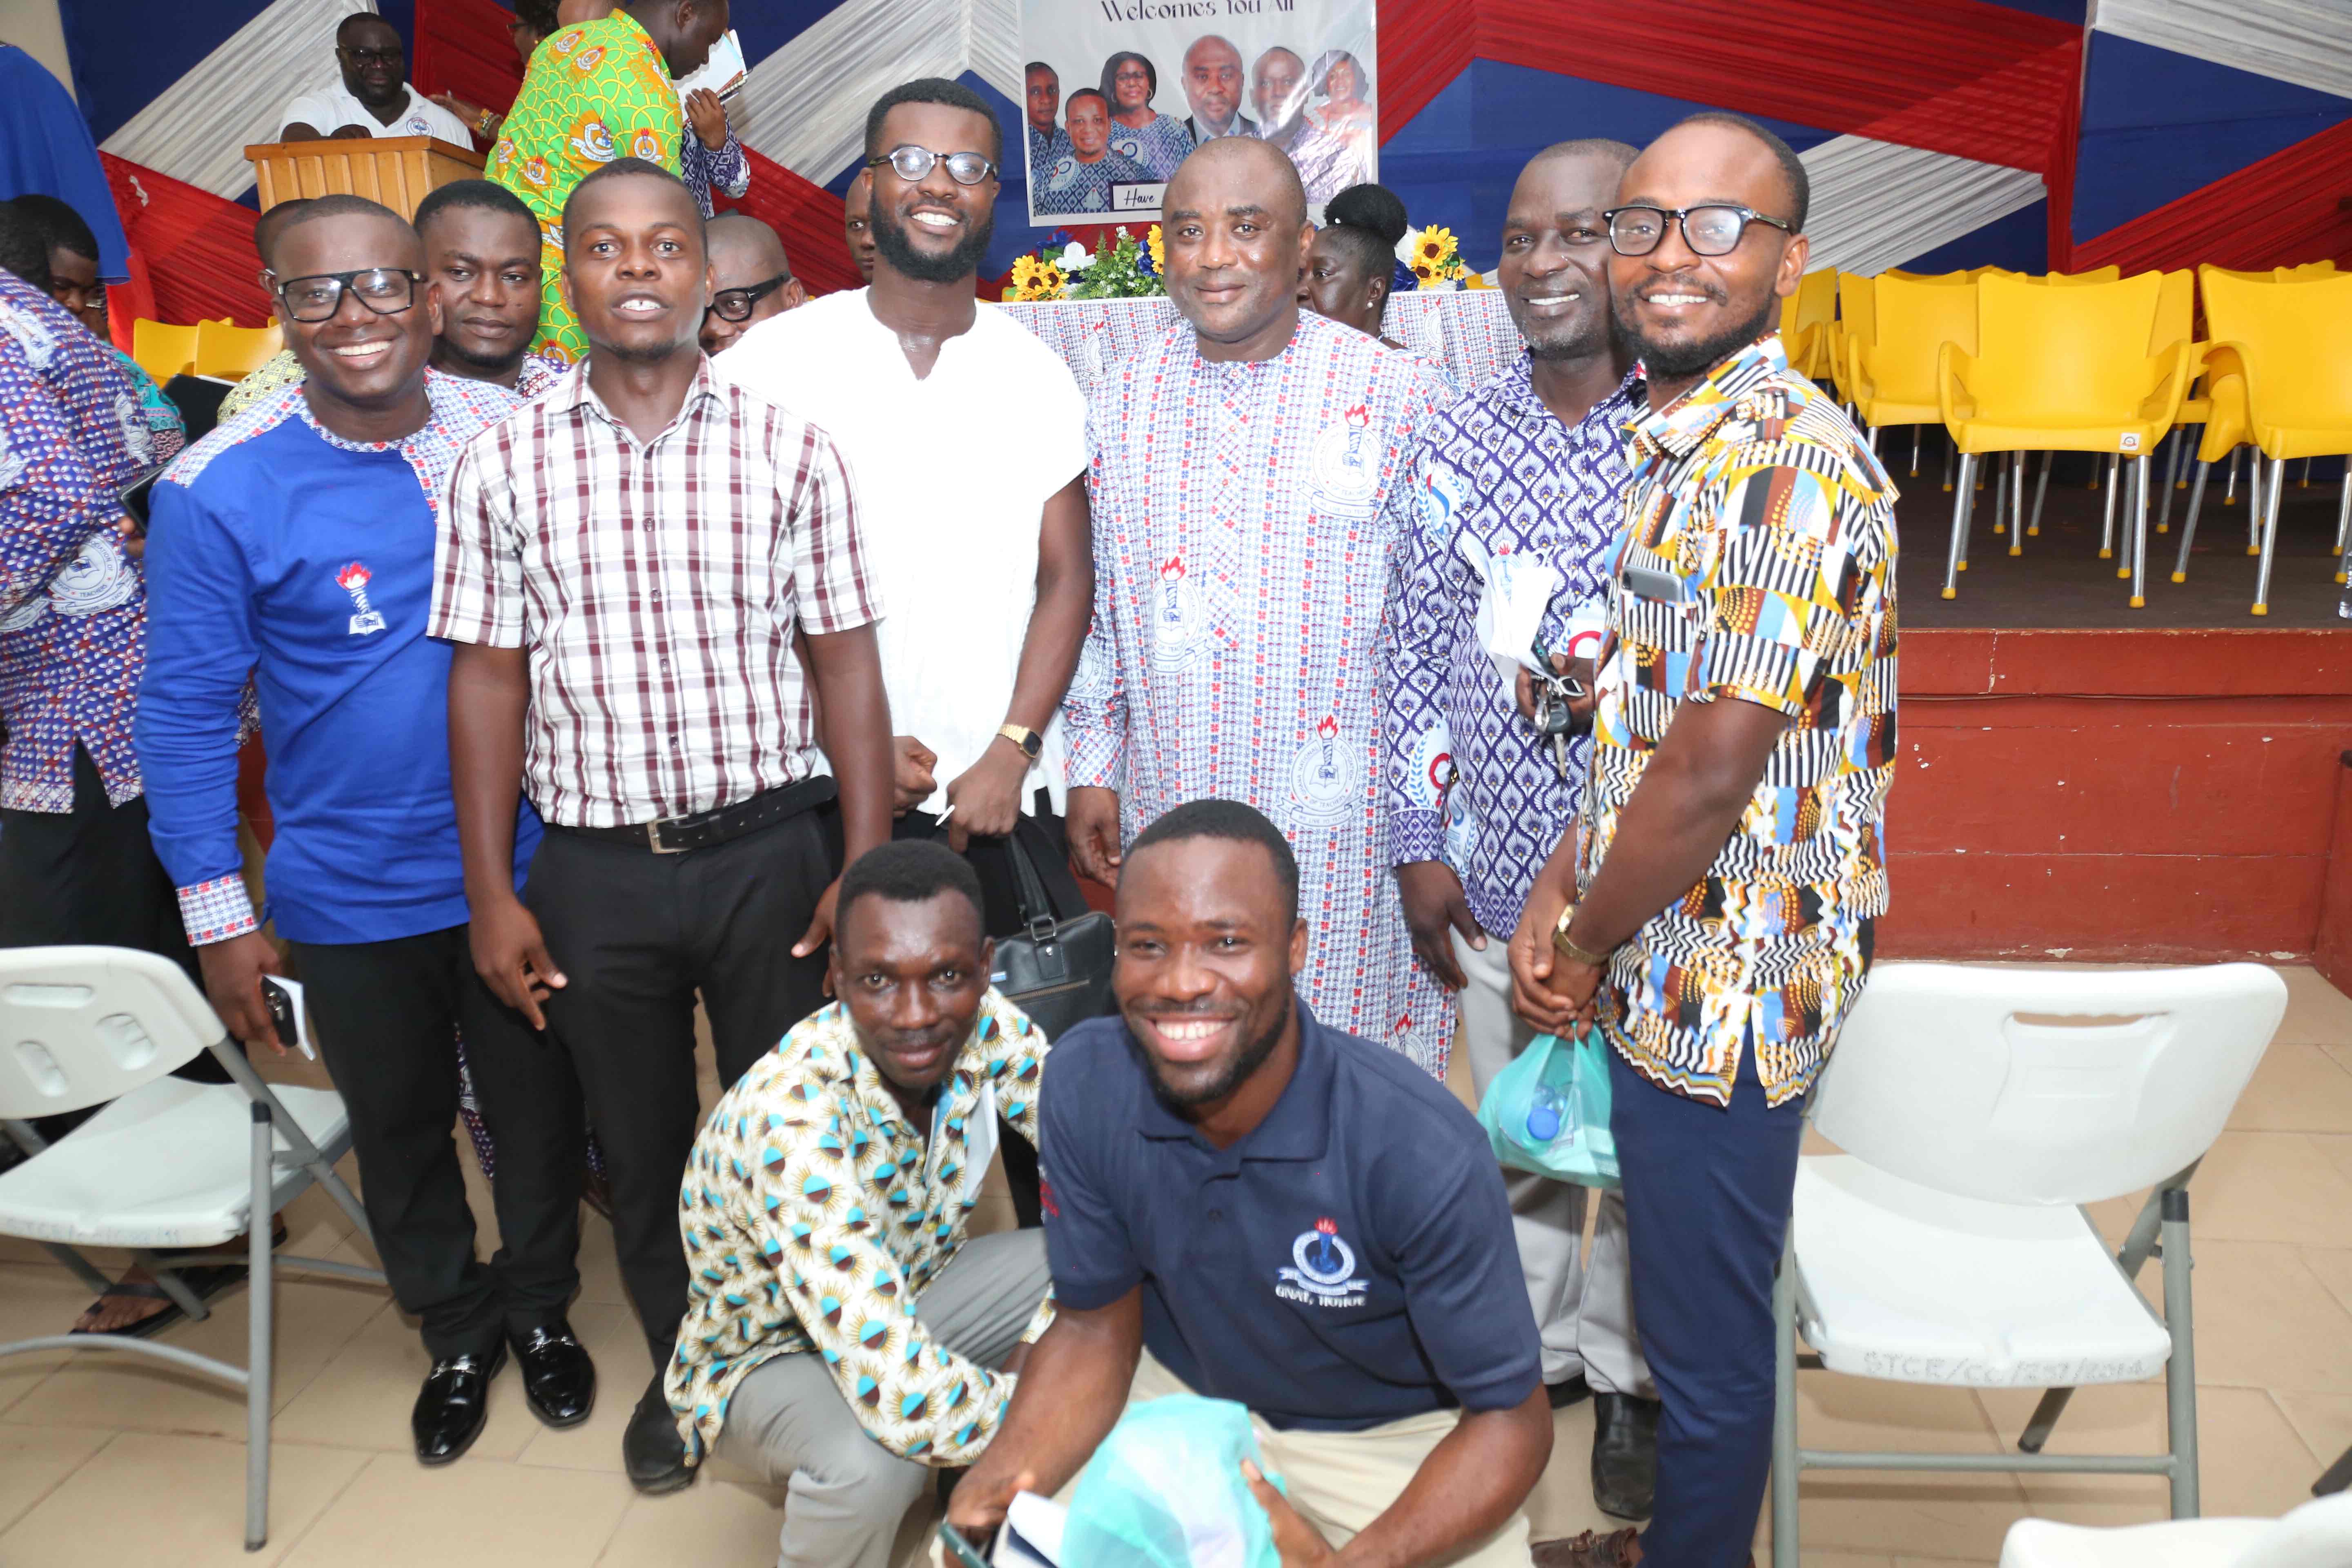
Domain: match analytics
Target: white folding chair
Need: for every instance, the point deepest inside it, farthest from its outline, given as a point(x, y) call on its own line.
point(1979, 1109)
point(169, 1164)
point(2316, 1535)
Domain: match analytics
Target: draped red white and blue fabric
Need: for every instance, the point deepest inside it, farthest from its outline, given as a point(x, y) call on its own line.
point(1939, 132)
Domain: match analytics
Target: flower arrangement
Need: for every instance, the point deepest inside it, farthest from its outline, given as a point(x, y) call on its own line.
point(1127, 268)
point(1435, 255)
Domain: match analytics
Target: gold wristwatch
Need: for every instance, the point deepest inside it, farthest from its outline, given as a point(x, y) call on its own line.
point(1562, 945)
point(1028, 740)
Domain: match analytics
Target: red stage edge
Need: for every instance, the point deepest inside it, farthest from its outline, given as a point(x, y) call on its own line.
point(2119, 796)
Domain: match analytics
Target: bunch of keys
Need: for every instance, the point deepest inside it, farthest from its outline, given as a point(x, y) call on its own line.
point(1555, 714)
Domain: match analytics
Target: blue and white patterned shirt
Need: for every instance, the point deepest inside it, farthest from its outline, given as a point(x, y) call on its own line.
point(1073, 186)
point(727, 170)
point(73, 608)
point(1470, 783)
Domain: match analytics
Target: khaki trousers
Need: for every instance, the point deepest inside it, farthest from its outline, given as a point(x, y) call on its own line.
point(1341, 1481)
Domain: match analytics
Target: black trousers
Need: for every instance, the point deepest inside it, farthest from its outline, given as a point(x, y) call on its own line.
point(636, 935)
point(89, 877)
point(388, 1014)
point(1042, 834)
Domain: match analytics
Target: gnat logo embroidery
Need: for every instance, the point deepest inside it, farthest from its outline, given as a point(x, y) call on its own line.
point(1344, 466)
point(354, 579)
point(1326, 783)
point(1176, 626)
point(1325, 1275)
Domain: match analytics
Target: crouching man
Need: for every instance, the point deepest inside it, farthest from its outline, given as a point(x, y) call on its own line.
point(1243, 1203)
point(843, 1336)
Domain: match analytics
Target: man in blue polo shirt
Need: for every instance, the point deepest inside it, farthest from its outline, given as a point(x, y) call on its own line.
point(296, 542)
point(1243, 1203)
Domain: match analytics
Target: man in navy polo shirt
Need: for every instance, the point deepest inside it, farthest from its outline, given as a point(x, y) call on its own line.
point(1243, 1203)
point(295, 542)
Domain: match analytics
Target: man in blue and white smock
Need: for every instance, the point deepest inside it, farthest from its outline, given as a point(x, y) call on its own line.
point(1250, 481)
point(1080, 180)
point(1522, 487)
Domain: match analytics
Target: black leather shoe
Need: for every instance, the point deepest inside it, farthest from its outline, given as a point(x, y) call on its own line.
point(453, 1405)
point(651, 1450)
point(1570, 1390)
point(1624, 1453)
point(558, 1378)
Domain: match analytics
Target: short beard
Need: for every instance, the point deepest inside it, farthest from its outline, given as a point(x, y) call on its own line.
point(890, 238)
point(476, 368)
point(1250, 1057)
point(1591, 340)
point(631, 355)
point(1672, 360)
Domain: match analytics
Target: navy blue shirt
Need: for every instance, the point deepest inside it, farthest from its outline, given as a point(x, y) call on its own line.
point(1349, 1263)
point(281, 549)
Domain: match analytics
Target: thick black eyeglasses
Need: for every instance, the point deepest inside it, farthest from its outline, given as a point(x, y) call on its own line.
point(386, 290)
point(390, 56)
point(735, 304)
point(1713, 229)
point(912, 163)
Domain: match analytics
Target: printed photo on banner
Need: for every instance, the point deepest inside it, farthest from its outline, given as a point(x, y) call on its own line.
point(1118, 91)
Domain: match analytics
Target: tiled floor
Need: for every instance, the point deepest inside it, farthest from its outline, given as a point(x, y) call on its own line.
point(105, 1460)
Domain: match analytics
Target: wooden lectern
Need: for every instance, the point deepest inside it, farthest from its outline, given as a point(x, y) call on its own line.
point(394, 170)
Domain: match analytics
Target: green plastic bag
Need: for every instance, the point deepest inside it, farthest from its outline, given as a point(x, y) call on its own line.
point(1165, 1490)
point(1548, 1112)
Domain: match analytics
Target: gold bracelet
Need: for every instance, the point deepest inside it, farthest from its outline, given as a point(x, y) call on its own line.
point(1566, 949)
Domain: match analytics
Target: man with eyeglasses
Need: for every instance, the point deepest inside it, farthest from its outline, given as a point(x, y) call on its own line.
point(372, 98)
point(625, 565)
point(1521, 487)
point(1081, 180)
point(296, 542)
point(990, 592)
point(750, 280)
point(1714, 913)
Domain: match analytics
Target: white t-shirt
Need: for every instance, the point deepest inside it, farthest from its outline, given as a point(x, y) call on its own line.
point(331, 108)
point(949, 505)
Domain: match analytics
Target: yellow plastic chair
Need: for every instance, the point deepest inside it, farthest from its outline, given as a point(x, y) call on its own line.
point(163, 350)
point(2060, 370)
point(2176, 322)
point(1805, 318)
point(2096, 275)
point(1855, 325)
point(232, 352)
point(2323, 269)
point(2287, 345)
point(1894, 375)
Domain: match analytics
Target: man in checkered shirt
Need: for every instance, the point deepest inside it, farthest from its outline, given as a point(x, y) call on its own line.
point(625, 566)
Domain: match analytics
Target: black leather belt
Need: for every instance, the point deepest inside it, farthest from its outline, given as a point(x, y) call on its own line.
point(677, 835)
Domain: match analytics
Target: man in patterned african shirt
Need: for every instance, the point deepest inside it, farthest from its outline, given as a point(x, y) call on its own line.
point(1080, 179)
point(1250, 481)
point(1521, 486)
point(1714, 911)
point(844, 1337)
point(596, 91)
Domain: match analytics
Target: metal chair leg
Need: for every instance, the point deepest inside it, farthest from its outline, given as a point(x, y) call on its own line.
point(2189, 533)
point(1915, 430)
point(1874, 439)
point(2041, 493)
point(2237, 460)
point(2171, 474)
point(257, 1391)
point(2141, 469)
point(2180, 1369)
point(2305, 483)
point(1999, 493)
point(2254, 507)
point(2344, 528)
point(2108, 523)
point(1948, 450)
point(1961, 501)
point(2269, 536)
point(1784, 1406)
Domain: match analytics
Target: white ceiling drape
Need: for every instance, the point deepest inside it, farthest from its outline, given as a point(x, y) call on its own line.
point(198, 128)
point(1877, 204)
point(2306, 42)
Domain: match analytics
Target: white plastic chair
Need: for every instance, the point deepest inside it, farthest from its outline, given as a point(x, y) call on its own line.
point(1979, 1109)
point(2316, 1535)
point(170, 1165)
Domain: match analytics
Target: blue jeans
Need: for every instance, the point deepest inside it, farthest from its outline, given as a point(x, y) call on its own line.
point(1707, 1193)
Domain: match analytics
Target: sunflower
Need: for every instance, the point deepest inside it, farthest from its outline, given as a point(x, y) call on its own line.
point(1425, 272)
point(1159, 253)
point(1436, 246)
point(1035, 279)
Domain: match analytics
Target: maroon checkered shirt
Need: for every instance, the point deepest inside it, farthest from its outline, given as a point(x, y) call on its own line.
point(656, 586)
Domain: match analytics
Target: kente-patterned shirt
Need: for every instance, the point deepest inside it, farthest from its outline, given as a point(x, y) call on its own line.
point(1245, 517)
point(815, 1216)
point(73, 608)
point(1758, 562)
point(1470, 781)
point(594, 91)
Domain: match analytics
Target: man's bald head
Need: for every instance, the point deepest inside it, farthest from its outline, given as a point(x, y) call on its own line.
point(1259, 173)
point(746, 245)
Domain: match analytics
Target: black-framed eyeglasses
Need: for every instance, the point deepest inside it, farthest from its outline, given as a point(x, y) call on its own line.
point(911, 163)
point(386, 290)
point(1713, 228)
point(387, 57)
point(735, 304)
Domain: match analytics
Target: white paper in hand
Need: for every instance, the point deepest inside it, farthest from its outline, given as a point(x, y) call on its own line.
point(1033, 1533)
point(723, 73)
point(1519, 590)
